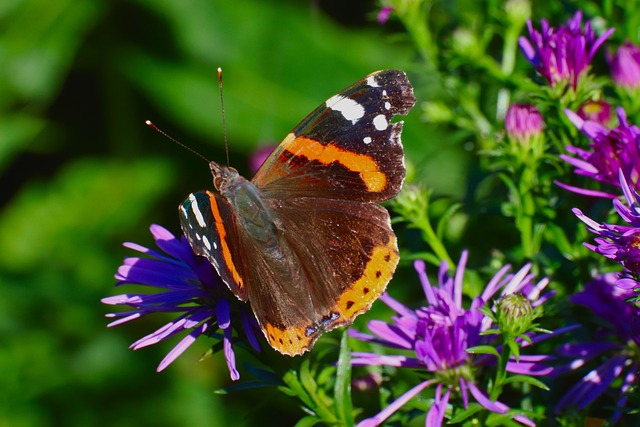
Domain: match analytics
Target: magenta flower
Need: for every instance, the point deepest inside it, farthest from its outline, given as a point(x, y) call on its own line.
point(616, 344)
point(595, 111)
point(562, 55)
point(625, 66)
point(435, 339)
point(610, 150)
point(190, 287)
point(259, 156)
point(384, 14)
point(522, 122)
point(620, 243)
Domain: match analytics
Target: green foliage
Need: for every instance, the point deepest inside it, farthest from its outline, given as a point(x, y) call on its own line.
point(81, 174)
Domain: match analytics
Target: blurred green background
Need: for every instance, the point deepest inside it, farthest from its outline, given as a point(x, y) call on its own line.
point(81, 173)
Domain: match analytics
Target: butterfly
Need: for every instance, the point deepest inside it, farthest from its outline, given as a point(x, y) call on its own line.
point(305, 241)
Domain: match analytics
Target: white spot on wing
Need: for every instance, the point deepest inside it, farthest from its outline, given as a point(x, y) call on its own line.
point(384, 92)
point(387, 105)
point(196, 211)
point(367, 140)
point(185, 215)
point(371, 81)
point(349, 108)
point(380, 122)
point(206, 243)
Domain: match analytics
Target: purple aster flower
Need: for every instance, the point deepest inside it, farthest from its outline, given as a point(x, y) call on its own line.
point(620, 243)
point(617, 338)
point(561, 55)
point(190, 287)
point(610, 150)
point(384, 14)
point(625, 66)
point(595, 111)
point(438, 335)
point(522, 122)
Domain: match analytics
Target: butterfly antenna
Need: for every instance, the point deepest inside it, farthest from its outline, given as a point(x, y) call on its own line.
point(186, 147)
point(224, 123)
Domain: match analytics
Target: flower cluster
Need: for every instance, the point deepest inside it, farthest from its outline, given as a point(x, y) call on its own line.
point(617, 342)
point(191, 287)
point(625, 66)
point(561, 55)
point(440, 335)
point(610, 150)
point(619, 242)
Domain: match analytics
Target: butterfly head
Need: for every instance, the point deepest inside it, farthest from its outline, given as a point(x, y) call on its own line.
point(222, 176)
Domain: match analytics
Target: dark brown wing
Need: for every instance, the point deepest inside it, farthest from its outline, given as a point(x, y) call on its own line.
point(340, 255)
point(347, 148)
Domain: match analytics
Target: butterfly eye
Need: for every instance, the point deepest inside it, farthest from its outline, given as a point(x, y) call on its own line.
point(217, 181)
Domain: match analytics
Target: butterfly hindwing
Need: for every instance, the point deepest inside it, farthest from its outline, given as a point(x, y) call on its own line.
point(353, 251)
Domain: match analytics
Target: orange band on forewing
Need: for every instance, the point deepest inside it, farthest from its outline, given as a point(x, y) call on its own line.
point(222, 233)
point(326, 154)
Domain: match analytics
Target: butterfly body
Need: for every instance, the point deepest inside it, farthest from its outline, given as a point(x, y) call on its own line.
point(305, 241)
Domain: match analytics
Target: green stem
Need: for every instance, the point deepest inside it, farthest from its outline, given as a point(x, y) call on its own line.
point(501, 373)
point(430, 236)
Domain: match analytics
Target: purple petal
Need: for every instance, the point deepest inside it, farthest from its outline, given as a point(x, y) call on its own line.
point(181, 347)
point(390, 333)
point(229, 355)
point(585, 192)
point(420, 267)
point(133, 316)
point(435, 415)
point(593, 384)
point(527, 50)
point(250, 325)
point(396, 306)
point(393, 407)
point(527, 368)
point(372, 359)
point(484, 400)
point(223, 314)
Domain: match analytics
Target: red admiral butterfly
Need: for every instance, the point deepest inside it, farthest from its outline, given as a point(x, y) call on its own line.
point(305, 241)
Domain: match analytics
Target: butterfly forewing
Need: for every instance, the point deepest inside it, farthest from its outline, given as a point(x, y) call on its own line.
point(347, 148)
point(208, 222)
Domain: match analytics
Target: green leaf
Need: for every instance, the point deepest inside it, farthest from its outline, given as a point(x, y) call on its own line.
point(426, 256)
point(211, 34)
point(483, 349)
point(526, 379)
point(443, 222)
point(66, 220)
point(515, 349)
point(244, 385)
point(38, 45)
point(466, 413)
point(264, 374)
point(308, 421)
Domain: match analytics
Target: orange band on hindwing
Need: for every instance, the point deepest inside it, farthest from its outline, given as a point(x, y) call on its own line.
point(373, 178)
point(222, 234)
point(377, 273)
